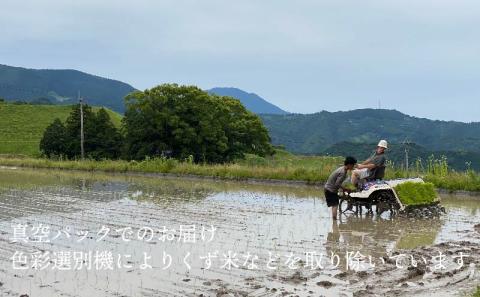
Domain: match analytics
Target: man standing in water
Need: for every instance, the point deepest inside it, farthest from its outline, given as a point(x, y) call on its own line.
point(334, 183)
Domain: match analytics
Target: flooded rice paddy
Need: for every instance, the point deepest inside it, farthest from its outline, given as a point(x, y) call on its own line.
point(83, 234)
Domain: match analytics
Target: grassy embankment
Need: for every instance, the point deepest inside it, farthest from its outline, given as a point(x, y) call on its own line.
point(282, 166)
point(22, 125)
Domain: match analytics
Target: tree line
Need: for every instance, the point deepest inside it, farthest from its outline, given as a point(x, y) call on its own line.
point(168, 120)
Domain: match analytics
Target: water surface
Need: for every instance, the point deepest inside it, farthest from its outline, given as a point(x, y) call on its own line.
point(251, 221)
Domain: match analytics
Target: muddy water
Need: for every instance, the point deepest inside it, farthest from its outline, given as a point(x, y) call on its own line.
point(163, 232)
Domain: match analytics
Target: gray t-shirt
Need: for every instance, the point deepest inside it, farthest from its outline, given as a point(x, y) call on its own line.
point(336, 179)
point(377, 159)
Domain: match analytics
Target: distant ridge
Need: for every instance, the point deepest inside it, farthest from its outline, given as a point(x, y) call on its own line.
point(314, 133)
point(252, 101)
point(61, 87)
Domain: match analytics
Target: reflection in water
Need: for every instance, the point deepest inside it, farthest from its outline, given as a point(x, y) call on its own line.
point(250, 218)
point(376, 236)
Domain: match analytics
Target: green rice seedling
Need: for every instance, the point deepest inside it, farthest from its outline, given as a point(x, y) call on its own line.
point(411, 193)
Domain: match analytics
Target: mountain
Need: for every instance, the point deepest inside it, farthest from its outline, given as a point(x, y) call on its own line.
point(22, 125)
point(396, 153)
point(314, 133)
point(252, 101)
point(61, 87)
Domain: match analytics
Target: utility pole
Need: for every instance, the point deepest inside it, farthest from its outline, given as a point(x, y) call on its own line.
point(406, 143)
point(406, 158)
point(82, 136)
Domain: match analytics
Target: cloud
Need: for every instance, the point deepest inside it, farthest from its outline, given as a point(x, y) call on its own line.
point(304, 55)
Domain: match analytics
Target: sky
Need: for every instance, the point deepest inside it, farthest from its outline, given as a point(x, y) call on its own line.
point(416, 56)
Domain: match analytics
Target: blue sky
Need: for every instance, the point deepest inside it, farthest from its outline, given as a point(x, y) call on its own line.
point(420, 57)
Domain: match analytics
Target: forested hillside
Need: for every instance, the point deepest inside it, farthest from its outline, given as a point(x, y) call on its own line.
point(61, 87)
point(314, 133)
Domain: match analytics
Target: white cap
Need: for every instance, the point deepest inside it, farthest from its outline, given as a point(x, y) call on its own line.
point(383, 143)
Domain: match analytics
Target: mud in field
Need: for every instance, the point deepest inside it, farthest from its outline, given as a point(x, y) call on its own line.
point(265, 241)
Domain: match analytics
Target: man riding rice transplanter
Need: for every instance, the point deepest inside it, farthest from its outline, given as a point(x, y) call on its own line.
point(334, 183)
point(367, 168)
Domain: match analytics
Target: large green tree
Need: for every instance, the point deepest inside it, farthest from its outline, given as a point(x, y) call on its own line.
point(184, 120)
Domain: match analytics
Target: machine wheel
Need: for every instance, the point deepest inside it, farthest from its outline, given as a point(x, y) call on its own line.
point(385, 201)
point(343, 205)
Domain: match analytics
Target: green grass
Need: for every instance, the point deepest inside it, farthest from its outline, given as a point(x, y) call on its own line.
point(22, 126)
point(282, 166)
point(440, 174)
point(411, 193)
point(477, 293)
